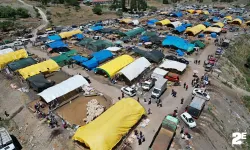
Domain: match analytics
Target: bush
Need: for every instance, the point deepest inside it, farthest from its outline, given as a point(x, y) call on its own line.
point(6, 25)
point(97, 10)
point(23, 13)
point(153, 8)
point(119, 13)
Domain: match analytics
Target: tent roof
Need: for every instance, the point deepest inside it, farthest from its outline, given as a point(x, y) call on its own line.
point(55, 37)
point(79, 36)
point(177, 14)
point(63, 88)
point(69, 33)
point(198, 11)
point(198, 43)
point(196, 29)
point(79, 58)
point(45, 66)
point(99, 45)
point(237, 21)
point(64, 57)
point(160, 71)
point(113, 49)
point(178, 43)
point(163, 22)
point(85, 41)
point(218, 24)
point(215, 19)
point(152, 21)
point(169, 64)
point(22, 63)
point(109, 128)
point(205, 12)
point(207, 24)
point(39, 81)
point(6, 50)
point(248, 22)
point(102, 55)
point(191, 11)
point(230, 18)
point(134, 31)
point(12, 56)
point(115, 65)
point(96, 28)
point(126, 20)
point(134, 69)
point(154, 55)
point(176, 24)
point(57, 44)
point(213, 29)
point(181, 28)
point(91, 63)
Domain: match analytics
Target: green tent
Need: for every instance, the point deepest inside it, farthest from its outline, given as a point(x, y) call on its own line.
point(22, 63)
point(150, 34)
point(99, 45)
point(134, 32)
point(85, 41)
point(199, 44)
point(61, 59)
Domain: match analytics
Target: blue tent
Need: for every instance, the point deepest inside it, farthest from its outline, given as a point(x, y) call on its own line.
point(79, 58)
point(181, 28)
point(144, 38)
point(177, 14)
point(102, 55)
point(187, 25)
point(96, 28)
point(179, 52)
point(239, 17)
point(207, 24)
point(213, 35)
point(55, 37)
point(215, 19)
point(57, 44)
point(178, 43)
point(90, 64)
point(152, 21)
point(79, 36)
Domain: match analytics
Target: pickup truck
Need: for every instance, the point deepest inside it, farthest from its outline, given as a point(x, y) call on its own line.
point(164, 136)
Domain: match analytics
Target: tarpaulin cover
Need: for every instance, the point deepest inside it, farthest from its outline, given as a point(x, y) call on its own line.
point(134, 69)
point(22, 63)
point(39, 82)
point(230, 18)
point(169, 64)
point(180, 29)
point(153, 56)
point(218, 24)
point(57, 44)
point(212, 29)
point(90, 64)
point(60, 60)
point(115, 65)
point(99, 45)
point(79, 36)
point(151, 33)
point(178, 43)
point(163, 22)
point(207, 24)
point(85, 41)
point(145, 38)
point(70, 33)
point(79, 58)
point(198, 43)
point(213, 35)
point(177, 14)
point(134, 32)
point(102, 55)
point(108, 129)
point(152, 21)
point(63, 88)
point(5, 51)
point(55, 37)
point(180, 53)
point(215, 19)
point(45, 66)
point(187, 25)
point(12, 56)
point(96, 28)
point(196, 29)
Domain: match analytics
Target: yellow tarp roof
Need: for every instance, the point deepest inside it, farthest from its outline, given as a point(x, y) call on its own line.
point(191, 11)
point(198, 11)
point(248, 22)
point(237, 21)
point(163, 22)
point(115, 65)
point(69, 33)
point(108, 129)
point(196, 29)
point(12, 56)
point(218, 24)
point(45, 66)
point(126, 20)
point(213, 29)
point(164, 13)
point(205, 12)
point(230, 18)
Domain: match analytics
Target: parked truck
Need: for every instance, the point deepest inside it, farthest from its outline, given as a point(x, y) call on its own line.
point(165, 134)
point(159, 88)
point(6, 142)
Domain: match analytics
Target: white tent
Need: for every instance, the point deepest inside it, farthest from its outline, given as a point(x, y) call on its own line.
point(135, 22)
point(113, 49)
point(158, 73)
point(63, 88)
point(176, 24)
point(134, 69)
point(169, 64)
point(5, 51)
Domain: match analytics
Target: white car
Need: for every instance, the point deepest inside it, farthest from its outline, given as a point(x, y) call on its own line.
point(201, 93)
point(129, 91)
point(187, 118)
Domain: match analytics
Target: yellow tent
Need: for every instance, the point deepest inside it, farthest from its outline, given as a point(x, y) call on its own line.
point(237, 21)
point(196, 29)
point(198, 11)
point(191, 11)
point(212, 29)
point(163, 22)
point(205, 12)
point(230, 18)
point(108, 129)
point(115, 65)
point(248, 23)
point(69, 33)
point(218, 24)
point(12, 56)
point(126, 20)
point(45, 66)
point(164, 13)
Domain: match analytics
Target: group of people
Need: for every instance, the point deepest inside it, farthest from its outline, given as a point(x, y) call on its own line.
point(52, 120)
point(140, 137)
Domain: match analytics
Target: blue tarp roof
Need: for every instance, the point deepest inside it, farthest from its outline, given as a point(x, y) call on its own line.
point(152, 21)
point(215, 19)
point(201, 35)
point(144, 38)
point(179, 52)
point(177, 14)
point(181, 28)
point(213, 35)
point(57, 44)
point(55, 37)
point(187, 25)
point(102, 55)
point(79, 36)
point(90, 64)
point(207, 24)
point(178, 43)
point(239, 17)
point(79, 58)
point(96, 28)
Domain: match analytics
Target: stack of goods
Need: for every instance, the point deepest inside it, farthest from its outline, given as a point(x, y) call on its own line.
point(94, 109)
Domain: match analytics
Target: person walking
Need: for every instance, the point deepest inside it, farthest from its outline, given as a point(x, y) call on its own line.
point(199, 62)
point(119, 98)
point(122, 95)
point(149, 101)
point(145, 100)
point(186, 87)
point(182, 100)
point(149, 111)
point(6, 114)
point(138, 99)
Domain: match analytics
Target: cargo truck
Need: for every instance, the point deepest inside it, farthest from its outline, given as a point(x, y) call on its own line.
point(6, 142)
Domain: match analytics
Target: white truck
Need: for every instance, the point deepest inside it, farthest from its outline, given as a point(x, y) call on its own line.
point(159, 88)
point(147, 85)
point(6, 142)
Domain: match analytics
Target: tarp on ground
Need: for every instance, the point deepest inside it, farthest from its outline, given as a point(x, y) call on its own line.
point(169, 64)
point(212, 29)
point(218, 24)
point(180, 29)
point(55, 37)
point(152, 22)
point(99, 45)
point(79, 36)
point(85, 41)
point(96, 28)
point(175, 24)
point(22, 63)
point(230, 18)
point(237, 21)
point(207, 24)
point(126, 20)
point(102, 55)
point(45, 66)
point(153, 56)
point(6, 50)
point(90, 64)
point(70, 33)
point(115, 65)
point(196, 29)
point(176, 14)
point(63, 88)
point(12, 56)
point(198, 43)
point(61, 59)
point(163, 22)
point(79, 58)
point(178, 42)
point(57, 44)
point(134, 32)
point(134, 69)
point(39, 82)
point(109, 128)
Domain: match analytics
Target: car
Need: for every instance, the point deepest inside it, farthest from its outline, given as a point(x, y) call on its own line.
point(201, 93)
point(171, 57)
point(182, 60)
point(129, 91)
point(187, 118)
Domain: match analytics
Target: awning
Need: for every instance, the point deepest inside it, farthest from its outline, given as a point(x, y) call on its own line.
point(5, 51)
point(109, 128)
point(196, 29)
point(12, 56)
point(115, 65)
point(45, 66)
point(163, 22)
point(70, 33)
point(212, 29)
point(63, 88)
point(218, 24)
point(169, 64)
point(22, 63)
point(55, 37)
point(134, 69)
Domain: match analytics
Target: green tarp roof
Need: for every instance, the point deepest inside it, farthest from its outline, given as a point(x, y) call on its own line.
point(150, 34)
point(134, 32)
point(85, 41)
point(60, 60)
point(198, 43)
point(22, 63)
point(99, 45)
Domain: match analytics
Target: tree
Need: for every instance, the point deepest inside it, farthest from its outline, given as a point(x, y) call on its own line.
point(165, 2)
point(23, 13)
point(153, 8)
point(44, 2)
point(97, 10)
point(6, 25)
